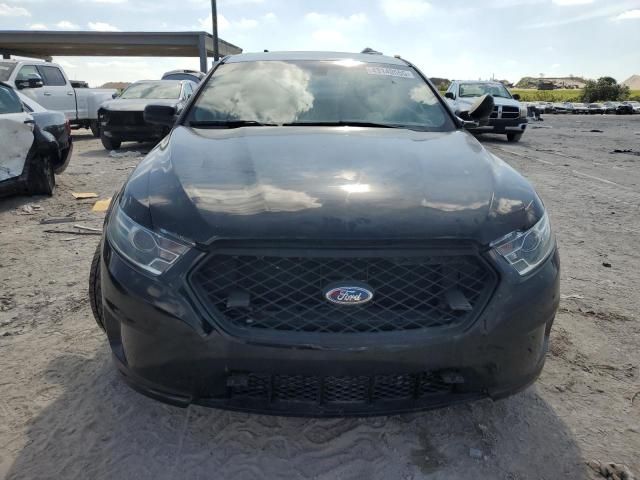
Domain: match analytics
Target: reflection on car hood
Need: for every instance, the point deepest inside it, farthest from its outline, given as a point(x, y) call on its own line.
point(135, 104)
point(329, 183)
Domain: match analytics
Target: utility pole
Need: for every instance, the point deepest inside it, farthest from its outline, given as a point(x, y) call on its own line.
point(214, 21)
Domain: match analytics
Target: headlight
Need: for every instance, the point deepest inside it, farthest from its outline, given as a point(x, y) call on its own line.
point(524, 113)
point(142, 247)
point(526, 250)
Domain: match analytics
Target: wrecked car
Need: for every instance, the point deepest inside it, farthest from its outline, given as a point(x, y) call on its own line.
point(121, 119)
point(508, 117)
point(319, 235)
point(57, 125)
point(33, 146)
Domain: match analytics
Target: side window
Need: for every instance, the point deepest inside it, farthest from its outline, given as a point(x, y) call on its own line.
point(9, 101)
point(52, 76)
point(27, 72)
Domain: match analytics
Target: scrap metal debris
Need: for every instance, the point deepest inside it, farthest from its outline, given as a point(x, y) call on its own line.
point(613, 471)
point(84, 195)
point(101, 205)
point(88, 229)
point(81, 230)
point(71, 232)
point(29, 209)
point(628, 151)
point(54, 220)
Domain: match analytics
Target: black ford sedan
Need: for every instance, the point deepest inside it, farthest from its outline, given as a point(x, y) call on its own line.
point(319, 235)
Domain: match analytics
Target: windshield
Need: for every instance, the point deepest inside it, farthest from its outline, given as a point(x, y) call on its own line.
point(6, 68)
point(159, 91)
point(319, 92)
point(479, 89)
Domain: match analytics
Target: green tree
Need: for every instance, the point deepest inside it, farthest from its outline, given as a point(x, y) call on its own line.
point(603, 90)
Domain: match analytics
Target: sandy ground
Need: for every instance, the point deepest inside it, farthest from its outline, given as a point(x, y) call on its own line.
point(66, 414)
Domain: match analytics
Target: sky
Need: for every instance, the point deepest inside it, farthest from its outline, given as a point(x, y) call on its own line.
point(504, 39)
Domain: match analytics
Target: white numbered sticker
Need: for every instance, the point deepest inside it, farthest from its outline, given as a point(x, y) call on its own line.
point(389, 72)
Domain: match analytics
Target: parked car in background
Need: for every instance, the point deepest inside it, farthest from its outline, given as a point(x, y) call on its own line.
point(624, 108)
point(509, 116)
point(122, 118)
point(48, 85)
point(560, 108)
point(319, 235)
point(56, 124)
point(193, 75)
point(596, 108)
point(610, 107)
point(580, 108)
point(569, 107)
point(634, 105)
point(27, 152)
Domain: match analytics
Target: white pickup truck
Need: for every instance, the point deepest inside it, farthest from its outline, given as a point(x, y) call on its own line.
point(48, 85)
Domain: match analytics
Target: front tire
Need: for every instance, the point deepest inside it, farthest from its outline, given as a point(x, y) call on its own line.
point(110, 143)
point(41, 180)
point(514, 137)
point(95, 288)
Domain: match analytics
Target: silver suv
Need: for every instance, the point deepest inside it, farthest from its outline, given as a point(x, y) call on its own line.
point(509, 116)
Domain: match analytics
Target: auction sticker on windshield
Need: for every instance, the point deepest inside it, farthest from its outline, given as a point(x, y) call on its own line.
point(389, 72)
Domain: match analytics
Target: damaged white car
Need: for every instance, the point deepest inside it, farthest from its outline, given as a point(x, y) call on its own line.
point(26, 152)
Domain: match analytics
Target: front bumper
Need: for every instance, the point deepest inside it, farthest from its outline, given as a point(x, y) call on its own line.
point(502, 125)
point(65, 157)
point(168, 349)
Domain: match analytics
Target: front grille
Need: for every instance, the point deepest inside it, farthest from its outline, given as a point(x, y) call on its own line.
point(507, 112)
point(332, 390)
point(510, 112)
point(125, 118)
point(283, 292)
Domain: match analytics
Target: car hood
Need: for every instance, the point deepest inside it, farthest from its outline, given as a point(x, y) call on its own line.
point(497, 101)
point(135, 104)
point(328, 183)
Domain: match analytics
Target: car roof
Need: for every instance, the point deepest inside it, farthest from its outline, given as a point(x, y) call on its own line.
point(488, 82)
point(164, 82)
point(318, 56)
point(193, 73)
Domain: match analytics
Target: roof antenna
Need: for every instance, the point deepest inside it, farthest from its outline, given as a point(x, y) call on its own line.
point(371, 51)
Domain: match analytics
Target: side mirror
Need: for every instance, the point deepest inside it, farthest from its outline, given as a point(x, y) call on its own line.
point(450, 95)
point(516, 96)
point(29, 83)
point(160, 115)
point(114, 95)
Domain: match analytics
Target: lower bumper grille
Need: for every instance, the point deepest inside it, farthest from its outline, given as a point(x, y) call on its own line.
point(283, 292)
point(122, 119)
point(334, 390)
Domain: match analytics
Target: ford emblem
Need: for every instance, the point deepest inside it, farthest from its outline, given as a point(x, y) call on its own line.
point(348, 294)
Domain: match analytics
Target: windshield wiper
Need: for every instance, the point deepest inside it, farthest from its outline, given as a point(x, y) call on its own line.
point(227, 124)
point(346, 123)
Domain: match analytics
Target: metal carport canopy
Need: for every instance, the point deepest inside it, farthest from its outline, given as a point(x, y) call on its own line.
point(46, 44)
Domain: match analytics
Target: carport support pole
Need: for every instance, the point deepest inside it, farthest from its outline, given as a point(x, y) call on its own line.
point(202, 50)
point(214, 21)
